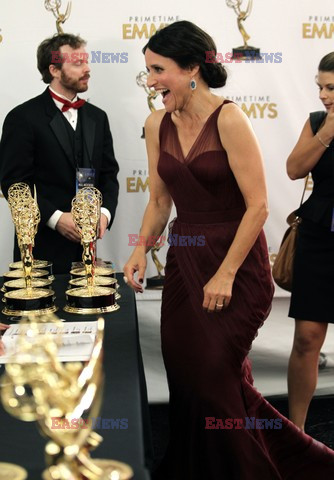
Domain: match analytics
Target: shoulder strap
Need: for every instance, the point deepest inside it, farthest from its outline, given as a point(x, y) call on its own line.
point(305, 185)
point(164, 122)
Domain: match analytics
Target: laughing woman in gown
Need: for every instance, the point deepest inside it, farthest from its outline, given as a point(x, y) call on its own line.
point(204, 157)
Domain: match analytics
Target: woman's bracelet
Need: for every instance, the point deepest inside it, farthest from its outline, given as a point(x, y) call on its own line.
point(321, 141)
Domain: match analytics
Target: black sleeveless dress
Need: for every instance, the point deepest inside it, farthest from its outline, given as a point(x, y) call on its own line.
point(313, 272)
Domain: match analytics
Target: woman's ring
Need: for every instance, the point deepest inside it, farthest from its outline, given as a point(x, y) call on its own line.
point(219, 305)
point(125, 279)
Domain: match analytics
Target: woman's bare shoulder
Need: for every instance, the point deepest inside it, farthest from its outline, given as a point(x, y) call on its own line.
point(153, 121)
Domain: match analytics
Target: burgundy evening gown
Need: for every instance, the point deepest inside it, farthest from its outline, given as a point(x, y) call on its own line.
point(205, 355)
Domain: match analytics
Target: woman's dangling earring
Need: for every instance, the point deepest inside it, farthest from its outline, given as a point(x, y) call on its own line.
point(193, 84)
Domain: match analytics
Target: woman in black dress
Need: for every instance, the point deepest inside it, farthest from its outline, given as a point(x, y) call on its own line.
point(313, 282)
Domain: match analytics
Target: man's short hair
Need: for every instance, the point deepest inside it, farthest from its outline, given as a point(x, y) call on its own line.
point(53, 44)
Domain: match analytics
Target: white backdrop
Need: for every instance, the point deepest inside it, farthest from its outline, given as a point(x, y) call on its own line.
point(276, 96)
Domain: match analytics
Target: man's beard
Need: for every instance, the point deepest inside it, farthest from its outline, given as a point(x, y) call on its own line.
point(71, 84)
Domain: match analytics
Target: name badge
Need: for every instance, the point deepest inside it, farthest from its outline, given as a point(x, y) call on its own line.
point(85, 177)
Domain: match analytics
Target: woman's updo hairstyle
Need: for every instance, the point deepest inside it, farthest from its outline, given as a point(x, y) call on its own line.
point(327, 63)
point(187, 44)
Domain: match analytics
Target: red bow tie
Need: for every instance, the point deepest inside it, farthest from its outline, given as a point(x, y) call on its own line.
point(67, 104)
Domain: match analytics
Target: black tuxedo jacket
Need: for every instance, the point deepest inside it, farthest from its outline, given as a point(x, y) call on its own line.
point(35, 148)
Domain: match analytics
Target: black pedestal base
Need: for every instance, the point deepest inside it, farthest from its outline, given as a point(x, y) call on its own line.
point(155, 283)
point(246, 53)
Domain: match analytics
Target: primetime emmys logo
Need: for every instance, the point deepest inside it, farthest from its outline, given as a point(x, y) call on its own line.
point(318, 26)
point(144, 26)
point(256, 106)
point(138, 182)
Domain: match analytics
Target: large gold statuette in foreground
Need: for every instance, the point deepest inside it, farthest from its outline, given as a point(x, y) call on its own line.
point(38, 387)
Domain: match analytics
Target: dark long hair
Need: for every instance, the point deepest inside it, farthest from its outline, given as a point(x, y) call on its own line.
point(187, 44)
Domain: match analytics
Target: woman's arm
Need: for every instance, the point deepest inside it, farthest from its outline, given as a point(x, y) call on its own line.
point(158, 209)
point(245, 160)
point(310, 148)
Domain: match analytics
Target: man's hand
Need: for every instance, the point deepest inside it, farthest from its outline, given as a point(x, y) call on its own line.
point(103, 225)
point(66, 227)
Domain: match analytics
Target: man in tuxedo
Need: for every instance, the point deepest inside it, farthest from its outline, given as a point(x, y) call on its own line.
point(55, 140)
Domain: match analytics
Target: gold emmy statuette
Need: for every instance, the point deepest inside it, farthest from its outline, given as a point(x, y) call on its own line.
point(106, 281)
point(44, 264)
point(20, 283)
point(26, 217)
point(17, 280)
point(141, 80)
point(245, 51)
point(63, 398)
point(91, 298)
point(157, 282)
point(54, 6)
point(104, 268)
point(104, 276)
point(98, 280)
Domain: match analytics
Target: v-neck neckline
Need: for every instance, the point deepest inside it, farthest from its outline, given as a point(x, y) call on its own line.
point(185, 157)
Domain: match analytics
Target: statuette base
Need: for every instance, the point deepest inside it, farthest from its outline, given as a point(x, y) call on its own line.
point(91, 300)
point(10, 471)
